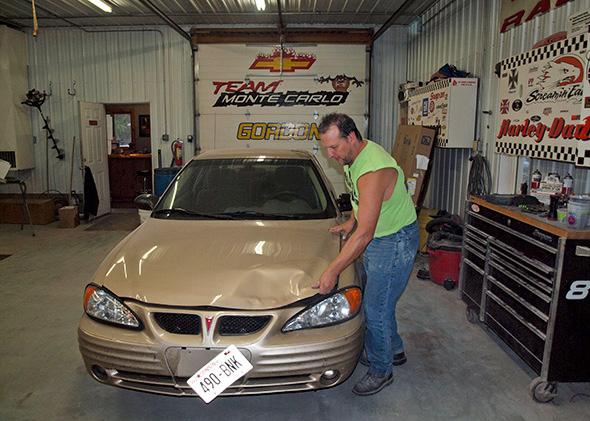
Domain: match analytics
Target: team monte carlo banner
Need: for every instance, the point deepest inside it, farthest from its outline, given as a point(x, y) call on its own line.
point(544, 103)
point(264, 96)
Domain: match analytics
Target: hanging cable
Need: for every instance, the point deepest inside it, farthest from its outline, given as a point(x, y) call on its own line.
point(480, 178)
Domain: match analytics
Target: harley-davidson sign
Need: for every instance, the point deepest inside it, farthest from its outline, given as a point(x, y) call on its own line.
point(544, 102)
point(537, 132)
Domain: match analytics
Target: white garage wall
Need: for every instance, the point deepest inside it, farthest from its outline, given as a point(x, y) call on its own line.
point(111, 67)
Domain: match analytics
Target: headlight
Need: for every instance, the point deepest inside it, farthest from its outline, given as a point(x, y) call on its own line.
point(104, 306)
point(337, 308)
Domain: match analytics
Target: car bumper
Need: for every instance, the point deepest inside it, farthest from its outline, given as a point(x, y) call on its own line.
point(150, 361)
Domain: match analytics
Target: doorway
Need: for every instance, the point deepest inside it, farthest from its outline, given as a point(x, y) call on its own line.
point(129, 152)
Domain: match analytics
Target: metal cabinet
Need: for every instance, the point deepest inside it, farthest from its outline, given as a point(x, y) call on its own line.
point(528, 281)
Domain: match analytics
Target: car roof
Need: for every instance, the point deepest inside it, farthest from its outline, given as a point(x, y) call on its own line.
point(254, 153)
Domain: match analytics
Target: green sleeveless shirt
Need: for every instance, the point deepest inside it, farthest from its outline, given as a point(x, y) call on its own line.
point(396, 212)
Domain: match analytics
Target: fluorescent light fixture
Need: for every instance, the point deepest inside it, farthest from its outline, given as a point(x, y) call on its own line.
point(261, 5)
point(101, 5)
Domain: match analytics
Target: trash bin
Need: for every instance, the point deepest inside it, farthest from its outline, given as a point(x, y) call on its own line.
point(444, 251)
point(163, 177)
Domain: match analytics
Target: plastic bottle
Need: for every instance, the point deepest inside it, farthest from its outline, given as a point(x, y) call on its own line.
point(568, 184)
point(536, 179)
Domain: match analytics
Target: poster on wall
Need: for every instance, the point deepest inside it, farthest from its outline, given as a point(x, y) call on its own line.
point(267, 97)
point(516, 12)
point(544, 103)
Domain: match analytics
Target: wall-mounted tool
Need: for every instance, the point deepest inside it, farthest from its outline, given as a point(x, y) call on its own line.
point(36, 99)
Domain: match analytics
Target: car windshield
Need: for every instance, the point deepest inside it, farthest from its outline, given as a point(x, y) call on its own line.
point(247, 188)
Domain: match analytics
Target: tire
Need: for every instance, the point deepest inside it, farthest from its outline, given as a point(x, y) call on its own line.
point(542, 391)
point(449, 284)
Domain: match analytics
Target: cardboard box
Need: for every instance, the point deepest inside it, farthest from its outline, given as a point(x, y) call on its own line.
point(412, 151)
point(12, 212)
point(69, 217)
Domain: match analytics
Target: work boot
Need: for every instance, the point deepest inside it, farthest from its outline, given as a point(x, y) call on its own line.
point(371, 384)
point(398, 359)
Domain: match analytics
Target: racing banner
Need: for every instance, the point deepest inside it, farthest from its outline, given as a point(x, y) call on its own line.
point(265, 96)
point(544, 103)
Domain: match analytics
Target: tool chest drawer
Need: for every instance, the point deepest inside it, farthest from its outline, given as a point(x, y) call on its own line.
point(527, 246)
point(528, 281)
point(523, 288)
point(473, 290)
point(535, 318)
point(517, 227)
point(515, 332)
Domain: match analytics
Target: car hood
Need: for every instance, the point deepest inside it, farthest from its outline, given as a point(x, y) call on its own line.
point(229, 264)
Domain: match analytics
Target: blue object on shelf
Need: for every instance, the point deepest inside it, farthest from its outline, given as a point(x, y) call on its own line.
point(163, 177)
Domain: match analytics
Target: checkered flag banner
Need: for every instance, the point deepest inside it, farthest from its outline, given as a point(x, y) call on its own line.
point(544, 103)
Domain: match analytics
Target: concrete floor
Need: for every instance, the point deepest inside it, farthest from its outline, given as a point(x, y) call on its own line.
point(455, 370)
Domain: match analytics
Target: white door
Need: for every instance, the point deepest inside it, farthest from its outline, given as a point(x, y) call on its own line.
point(94, 150)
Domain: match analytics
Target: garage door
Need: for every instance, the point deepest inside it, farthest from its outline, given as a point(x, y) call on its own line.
point(259, 96)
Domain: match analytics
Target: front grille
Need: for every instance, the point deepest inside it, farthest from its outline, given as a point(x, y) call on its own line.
point(179, 323)
point(241, 325)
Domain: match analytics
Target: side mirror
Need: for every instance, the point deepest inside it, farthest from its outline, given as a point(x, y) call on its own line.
point(343, 202)
point(146, 201)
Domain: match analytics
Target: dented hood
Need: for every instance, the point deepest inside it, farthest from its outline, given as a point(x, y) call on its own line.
point(231, 264)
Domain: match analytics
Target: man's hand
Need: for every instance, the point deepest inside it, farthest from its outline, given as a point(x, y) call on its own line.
point(343, 229)
point(326, 282)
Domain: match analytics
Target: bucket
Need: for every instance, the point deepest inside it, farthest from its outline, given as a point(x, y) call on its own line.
point(444, 265)
point(423, 219)
point(163, 177)
point(578, 212)
point(444, 258)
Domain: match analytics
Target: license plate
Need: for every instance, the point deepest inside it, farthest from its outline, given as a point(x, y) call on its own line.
point(219, 373)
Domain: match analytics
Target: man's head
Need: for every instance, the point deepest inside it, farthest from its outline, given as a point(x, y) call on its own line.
point(340, 137)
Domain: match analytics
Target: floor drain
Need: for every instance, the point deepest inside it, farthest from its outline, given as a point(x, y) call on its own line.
point(4, 256)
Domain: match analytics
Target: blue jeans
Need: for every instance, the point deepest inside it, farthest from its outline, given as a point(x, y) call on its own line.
point(387, 262)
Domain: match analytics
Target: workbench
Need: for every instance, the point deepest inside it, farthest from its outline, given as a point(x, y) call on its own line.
point(25, 205)
point(528, 280)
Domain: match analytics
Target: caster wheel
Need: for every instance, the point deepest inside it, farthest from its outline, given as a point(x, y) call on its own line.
point(449, 284)
point(542, 391)
point(472, 315)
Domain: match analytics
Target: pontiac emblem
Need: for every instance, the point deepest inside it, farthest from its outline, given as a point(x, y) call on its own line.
point(208, 323)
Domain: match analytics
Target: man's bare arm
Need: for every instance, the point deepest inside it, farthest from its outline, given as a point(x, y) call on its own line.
point(372, 188)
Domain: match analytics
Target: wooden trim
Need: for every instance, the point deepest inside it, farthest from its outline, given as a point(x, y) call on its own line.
point(272, 36)
point(541, 223)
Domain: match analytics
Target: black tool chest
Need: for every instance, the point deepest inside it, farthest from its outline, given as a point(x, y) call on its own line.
point(528, 280)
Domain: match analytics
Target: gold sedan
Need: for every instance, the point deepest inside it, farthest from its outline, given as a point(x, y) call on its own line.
point(227, 257)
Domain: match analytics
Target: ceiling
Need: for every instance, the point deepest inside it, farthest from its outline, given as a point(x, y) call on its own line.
point(66, 13)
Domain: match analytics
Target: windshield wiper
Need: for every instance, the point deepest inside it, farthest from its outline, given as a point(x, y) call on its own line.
point(183, 211)
point(256, 214)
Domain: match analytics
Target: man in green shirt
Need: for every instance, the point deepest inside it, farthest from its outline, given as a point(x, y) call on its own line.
point(386, 235)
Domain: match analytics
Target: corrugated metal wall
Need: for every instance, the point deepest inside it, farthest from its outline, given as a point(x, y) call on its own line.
point(109, 67)
point(454, 32)
point(388, 70)
point(465, 33)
